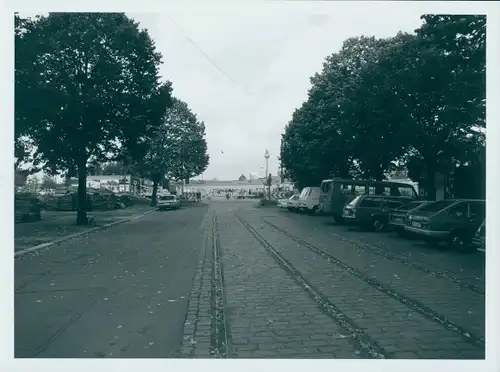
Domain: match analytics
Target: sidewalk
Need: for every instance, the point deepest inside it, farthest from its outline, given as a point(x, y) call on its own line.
point(56, 225)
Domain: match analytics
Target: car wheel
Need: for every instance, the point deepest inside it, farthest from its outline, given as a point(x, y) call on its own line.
point(315, 209)
point(378, 224)
point(459, 241)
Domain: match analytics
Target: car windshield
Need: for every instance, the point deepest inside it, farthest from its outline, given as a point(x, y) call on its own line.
point(305, 192)
point(410, 206)
point(354, 201)
point(482, 229)
point(167, 197)
point(437, 206)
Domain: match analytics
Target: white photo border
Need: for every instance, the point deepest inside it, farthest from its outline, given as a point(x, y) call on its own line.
point(8, 363)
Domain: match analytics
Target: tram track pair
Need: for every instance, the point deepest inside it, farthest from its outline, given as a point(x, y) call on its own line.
point(371, 349)
point(220, 341)
point(442, 274)
point(367, 347)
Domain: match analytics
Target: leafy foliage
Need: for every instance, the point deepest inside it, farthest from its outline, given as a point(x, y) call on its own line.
point(190, 154)
point(177, 149)
point(377, 103)
point(87, 86)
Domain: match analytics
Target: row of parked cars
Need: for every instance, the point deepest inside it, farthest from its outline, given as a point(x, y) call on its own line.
point(458, 222)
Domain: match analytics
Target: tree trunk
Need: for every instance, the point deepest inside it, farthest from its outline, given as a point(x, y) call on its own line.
point(154, 194)
point(430, 179)
point(81, 216)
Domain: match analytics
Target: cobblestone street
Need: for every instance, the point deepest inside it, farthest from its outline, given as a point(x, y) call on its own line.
point(295, 287)
point(227, 279)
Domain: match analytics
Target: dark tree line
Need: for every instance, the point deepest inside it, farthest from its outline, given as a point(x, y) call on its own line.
point(411, 101)
point(87, 92)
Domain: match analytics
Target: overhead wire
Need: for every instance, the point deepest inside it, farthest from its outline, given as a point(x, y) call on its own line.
point(210, 60)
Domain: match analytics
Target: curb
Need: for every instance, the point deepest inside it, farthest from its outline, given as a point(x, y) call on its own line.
point(75, 235)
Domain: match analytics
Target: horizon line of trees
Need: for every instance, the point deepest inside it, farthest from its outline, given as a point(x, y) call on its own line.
point(412, 101)
point(88, 91)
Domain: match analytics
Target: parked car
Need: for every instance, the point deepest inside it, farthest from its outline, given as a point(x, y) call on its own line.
point(479, 239)
point(397, 217)
point(168, 202)
point(309, 200)
point(372, 210)
point(454, 221)
point(282, 203)
point(291, 203)
point(336, 193)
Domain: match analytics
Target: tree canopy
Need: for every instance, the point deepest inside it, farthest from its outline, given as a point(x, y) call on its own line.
point(177, 149)
point(87, 86)
point(381, 103)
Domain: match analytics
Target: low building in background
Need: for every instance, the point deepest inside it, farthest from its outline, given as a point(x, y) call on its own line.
point(117, 183)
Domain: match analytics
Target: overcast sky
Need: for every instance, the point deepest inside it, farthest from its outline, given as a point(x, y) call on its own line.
point(269, 51)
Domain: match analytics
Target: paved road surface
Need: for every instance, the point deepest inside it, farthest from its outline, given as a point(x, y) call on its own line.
point(227, 279)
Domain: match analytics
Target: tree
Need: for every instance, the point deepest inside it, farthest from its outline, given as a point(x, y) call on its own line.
point(32, 183)
point(318, 141)
point(375, 115)
point(177, 149)
point(441, 79)
point(48, 182)
point(158, 160)
point(109, 169)
point(87, 88)
point(190, 155)
point(269, 182)
point(20, 177)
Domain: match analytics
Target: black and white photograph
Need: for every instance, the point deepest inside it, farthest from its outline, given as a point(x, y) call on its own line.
point(255, 180)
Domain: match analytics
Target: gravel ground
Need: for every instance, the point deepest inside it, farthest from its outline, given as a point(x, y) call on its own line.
point(59, 224)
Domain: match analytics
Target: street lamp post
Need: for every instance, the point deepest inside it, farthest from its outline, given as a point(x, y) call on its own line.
point(267, 156)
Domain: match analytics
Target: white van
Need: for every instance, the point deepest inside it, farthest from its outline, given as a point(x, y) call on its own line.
point(309, 200)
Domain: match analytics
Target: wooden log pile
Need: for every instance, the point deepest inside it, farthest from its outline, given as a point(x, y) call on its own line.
point(103, 200)
point(97, 200)
point(26, 208)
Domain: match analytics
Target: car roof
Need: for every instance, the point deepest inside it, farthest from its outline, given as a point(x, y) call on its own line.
point(453, 201)
point(469, 200)
point(364, 196)
point(347, 180)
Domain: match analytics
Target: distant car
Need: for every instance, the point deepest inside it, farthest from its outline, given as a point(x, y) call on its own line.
point(168, 202)
point(292, 202)
point(372, 211)
point(282, 203)
point(397, 217)
point(454, 221)
point(309, 200)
